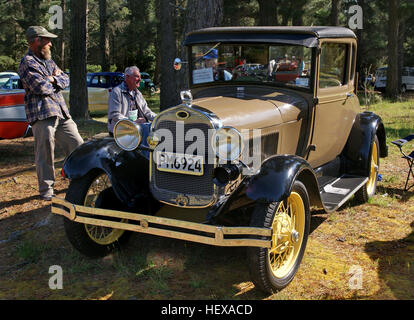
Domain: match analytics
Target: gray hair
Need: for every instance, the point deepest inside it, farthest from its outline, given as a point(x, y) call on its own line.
point(130, 70)
point(31, 39)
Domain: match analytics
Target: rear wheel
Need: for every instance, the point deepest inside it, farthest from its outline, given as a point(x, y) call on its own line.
point(93, 190)
point(369, 189)
point(273, 269)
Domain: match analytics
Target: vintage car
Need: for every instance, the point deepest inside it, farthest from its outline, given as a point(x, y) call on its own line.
point(239, 162)
point(13, 121)
point(5, 76)
point(100, 84)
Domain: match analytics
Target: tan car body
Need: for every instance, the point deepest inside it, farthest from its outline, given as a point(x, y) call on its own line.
point(315, 146)
point(97, 99)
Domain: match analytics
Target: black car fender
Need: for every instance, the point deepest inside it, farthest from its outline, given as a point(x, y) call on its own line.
point(274, 182)
point(128, 171)
point(358, 148)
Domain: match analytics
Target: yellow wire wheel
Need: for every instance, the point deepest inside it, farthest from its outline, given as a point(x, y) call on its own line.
point(370, 187)
point(100, 235)
point(272, 269)
point(288, 230)
point(371, 184)
point(93, 190)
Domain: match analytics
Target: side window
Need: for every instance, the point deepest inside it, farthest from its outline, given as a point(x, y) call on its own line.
point(411, 72)
point(104, 79)
point(117, 80)
point(332, 67)
point(95, 80)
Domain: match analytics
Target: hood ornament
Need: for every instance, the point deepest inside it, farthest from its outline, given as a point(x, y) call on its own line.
point(186, 98)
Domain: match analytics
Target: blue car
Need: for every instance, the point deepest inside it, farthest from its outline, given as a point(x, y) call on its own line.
point(104, 79)
point(112, 79)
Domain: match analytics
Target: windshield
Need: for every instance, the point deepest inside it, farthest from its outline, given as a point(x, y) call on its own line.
point(261, 63)
point(381, 73)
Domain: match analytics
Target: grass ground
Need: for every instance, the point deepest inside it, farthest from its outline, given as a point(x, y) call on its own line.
point(359, 252)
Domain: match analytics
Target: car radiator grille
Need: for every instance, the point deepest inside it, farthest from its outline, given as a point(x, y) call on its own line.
point(166, 186)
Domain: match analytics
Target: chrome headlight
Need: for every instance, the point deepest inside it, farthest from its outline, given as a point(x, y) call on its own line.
point(227, 143)
point(127, 134)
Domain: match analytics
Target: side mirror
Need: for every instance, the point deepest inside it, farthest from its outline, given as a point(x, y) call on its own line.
point(177, 64)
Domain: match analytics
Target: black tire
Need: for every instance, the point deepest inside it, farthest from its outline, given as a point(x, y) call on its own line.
point(369, 188)
point(264, 276)
point(77, 232)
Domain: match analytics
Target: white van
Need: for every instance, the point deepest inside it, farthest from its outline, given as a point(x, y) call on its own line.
point(407, 79)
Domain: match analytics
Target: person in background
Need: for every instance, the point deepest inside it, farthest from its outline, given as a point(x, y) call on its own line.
point(126, 101)
point(45, 107)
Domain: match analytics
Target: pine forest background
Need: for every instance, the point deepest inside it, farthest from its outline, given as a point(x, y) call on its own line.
point(149, 33)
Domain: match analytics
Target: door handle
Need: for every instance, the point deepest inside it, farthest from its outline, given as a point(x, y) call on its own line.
point(349, 95)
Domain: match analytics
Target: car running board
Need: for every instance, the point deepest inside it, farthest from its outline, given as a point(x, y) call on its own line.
point(336, 193)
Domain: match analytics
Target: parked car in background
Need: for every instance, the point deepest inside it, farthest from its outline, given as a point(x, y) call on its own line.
point(100, 84)
point(12, 83)
point(104, 79)
point(5, 76)
point(13, 121)
point(241, 161)
point(146, 83)
point(407, 79)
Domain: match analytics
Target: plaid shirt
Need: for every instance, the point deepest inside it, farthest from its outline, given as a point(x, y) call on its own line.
point(43, 99)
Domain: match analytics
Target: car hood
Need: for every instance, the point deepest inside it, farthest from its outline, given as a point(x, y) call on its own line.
point(251, 107)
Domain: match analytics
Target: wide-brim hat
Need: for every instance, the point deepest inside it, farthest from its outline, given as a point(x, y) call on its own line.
point(38, 31)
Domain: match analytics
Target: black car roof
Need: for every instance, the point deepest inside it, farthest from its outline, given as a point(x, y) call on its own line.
point(307, 36)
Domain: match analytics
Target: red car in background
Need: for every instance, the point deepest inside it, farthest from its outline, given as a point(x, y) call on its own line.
point(13, 121)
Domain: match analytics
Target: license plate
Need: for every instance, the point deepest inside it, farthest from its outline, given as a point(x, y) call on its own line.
point(180, 163)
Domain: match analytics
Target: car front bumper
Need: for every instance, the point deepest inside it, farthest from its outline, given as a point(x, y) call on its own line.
point(165, 227)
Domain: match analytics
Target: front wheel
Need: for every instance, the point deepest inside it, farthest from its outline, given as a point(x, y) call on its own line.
point(93, 190)
point(273, 269)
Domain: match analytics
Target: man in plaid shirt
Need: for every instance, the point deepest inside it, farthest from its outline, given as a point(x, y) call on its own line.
point(45, 107)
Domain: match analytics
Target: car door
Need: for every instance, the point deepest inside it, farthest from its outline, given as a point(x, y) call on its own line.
point(337, 103)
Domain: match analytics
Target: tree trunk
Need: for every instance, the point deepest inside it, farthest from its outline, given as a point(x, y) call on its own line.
point(78, 98)
point(392, 89)
point(298, 12)
point(103, 36)
point(401, 56)
point(199, 14)
point(360, 46)
point(157, 71)
point(267, 12)
point(168, 97)
point(334, 16)
point(62, 38)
